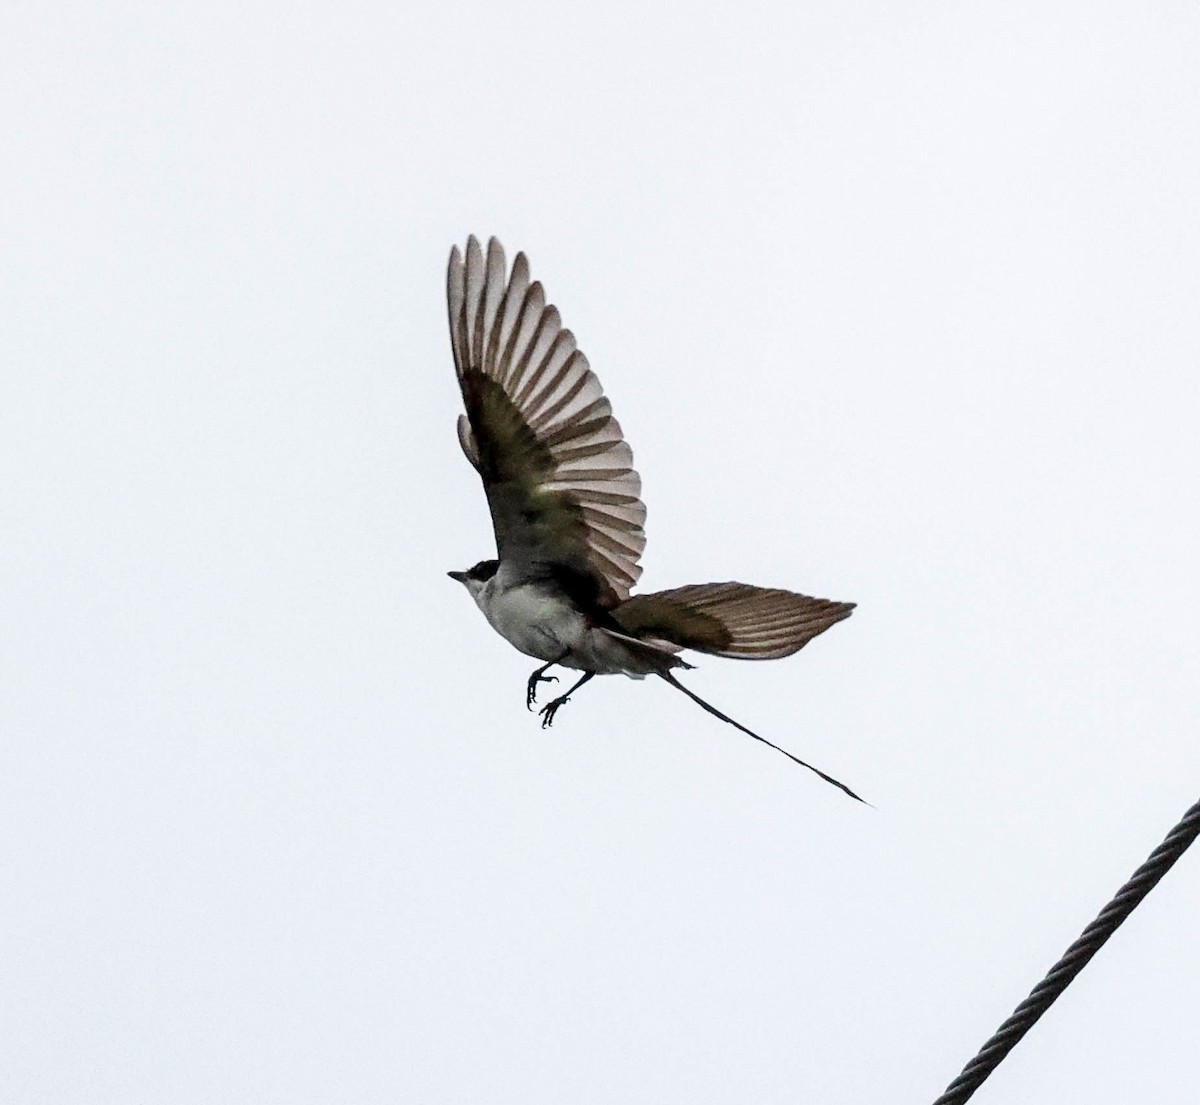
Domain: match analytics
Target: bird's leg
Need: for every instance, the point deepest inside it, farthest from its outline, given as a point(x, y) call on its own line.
point(539, 677)
point(555, 704)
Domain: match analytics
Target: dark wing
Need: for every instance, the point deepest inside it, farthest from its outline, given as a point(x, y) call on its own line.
point(558, 475)
point(730, 619)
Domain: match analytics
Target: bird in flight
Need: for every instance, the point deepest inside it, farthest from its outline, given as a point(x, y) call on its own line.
point(567, 513)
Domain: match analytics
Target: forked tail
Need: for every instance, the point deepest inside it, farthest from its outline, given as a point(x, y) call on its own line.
point(737, 725)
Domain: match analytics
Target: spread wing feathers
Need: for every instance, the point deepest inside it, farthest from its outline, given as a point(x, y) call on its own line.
point(730, 619)
point(558, 475)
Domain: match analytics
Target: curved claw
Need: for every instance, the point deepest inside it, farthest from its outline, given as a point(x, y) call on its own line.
point(551, 708)
point(531, 687)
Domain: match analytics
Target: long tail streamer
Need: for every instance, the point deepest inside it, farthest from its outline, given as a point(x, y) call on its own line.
point(750, 733)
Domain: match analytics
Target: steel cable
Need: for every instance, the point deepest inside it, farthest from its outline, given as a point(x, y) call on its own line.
point(1026, 1015)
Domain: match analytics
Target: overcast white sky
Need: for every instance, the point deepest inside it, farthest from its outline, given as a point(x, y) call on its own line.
point(896, 304)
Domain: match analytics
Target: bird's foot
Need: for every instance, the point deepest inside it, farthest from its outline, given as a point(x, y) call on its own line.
point(531, 687)
point(551, 708)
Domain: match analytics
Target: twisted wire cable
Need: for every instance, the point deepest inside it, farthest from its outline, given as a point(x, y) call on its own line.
point(1026, 1015)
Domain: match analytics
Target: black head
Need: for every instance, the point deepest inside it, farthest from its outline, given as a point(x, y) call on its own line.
point(481, 573)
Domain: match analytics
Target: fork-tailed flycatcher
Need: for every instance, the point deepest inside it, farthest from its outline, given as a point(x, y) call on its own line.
point(566, 510)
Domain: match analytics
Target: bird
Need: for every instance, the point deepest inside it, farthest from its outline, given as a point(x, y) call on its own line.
point(567, 513)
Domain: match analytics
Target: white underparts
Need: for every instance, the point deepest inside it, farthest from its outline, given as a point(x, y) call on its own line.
point(540, 621)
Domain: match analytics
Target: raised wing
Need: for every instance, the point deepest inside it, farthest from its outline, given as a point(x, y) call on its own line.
point(730, 619)
point(558, 475)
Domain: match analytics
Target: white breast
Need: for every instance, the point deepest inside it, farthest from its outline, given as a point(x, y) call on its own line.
point(532, 619)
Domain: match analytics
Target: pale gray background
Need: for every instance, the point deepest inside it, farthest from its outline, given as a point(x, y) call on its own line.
point(896, 303)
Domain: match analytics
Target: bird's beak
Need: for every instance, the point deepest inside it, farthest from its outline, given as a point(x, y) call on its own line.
point(460, 576)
